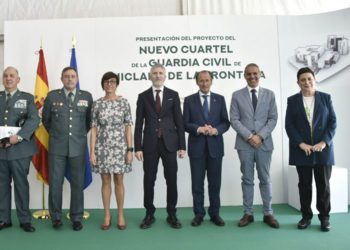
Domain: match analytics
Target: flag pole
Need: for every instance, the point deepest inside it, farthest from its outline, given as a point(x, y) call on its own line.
point(42, 214)
point(86, 214)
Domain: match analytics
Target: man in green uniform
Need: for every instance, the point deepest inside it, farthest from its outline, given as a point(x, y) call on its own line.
point(66, 116)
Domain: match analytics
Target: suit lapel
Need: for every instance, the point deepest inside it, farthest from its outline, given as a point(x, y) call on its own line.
point(316, 107)
point(164, 103)
point(246, 95)
point(301, 108)
point(14, 98)
point(150, 99)
point(2, 99)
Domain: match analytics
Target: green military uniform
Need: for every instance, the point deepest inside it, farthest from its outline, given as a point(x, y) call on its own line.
point(67, 126)
point(15, 160)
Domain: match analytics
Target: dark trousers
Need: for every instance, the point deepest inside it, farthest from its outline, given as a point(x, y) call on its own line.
point(150, 168)
point(57, 166)
point(322, 175)
point(18, 171)
point(199, 167)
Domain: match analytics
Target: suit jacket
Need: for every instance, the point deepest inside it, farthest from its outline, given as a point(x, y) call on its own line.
point(169, 120)
point(298, 129)
point(67, 127)
point(247, 122)
point(194, 118)
point(20, 109)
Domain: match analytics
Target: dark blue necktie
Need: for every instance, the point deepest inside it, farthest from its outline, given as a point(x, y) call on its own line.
point(254, 98)
point(205, 107)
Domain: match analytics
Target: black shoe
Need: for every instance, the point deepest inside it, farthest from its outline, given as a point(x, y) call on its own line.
point(27, 227)
point(197, 220)
point(173, 221)
point(304, 223)
point(5, 225)
point(147, 222)
point(325, 226)
point(77, 226)
point(217, 220)
point(56, 224)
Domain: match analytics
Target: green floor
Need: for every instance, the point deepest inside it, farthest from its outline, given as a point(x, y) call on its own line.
point(161, 236)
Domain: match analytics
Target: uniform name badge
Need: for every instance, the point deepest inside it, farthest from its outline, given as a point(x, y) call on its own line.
point(82, 103)
point(20, 104)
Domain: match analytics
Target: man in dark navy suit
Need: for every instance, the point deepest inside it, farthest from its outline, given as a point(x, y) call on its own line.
point(159, 133)
point(206, 119)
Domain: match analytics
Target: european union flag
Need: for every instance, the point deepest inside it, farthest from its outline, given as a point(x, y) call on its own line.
point(88, 174)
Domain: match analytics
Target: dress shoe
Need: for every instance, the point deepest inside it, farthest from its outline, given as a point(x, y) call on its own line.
point(197, 221)
point(271, 221)
point(5, 225)
point(121, 227)
point(325, 226)
point(147, 222)
point(246, 220)
point(77, 226)
point(27, 227)
point(173, 221)
point(304, 223)
point(217, 220)
point(56, 224)
point(107, 226)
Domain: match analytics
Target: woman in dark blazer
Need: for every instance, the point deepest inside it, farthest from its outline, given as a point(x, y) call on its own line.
point(310, 125)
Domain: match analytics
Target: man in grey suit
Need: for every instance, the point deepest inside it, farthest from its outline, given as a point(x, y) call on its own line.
point(17, 109)
point(67, 116)
point(253, 115)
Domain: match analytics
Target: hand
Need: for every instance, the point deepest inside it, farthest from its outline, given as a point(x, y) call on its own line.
point(255, 141)
point(181, 153)
point(139, 155)
point(212, 131)
point(306, 148)
point(319, 146)
point(128, 158)
point(93, 159)
point(203, 130)
point(13, 139)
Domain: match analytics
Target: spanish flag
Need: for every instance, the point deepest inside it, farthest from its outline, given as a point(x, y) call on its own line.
point(40, 160)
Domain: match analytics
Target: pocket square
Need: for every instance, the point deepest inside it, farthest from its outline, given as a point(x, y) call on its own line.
point(170, 99)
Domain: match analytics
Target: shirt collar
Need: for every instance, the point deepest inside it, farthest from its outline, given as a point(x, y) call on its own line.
point(256, 88)
point(154, 89)
point(66, 92)
point(201, 93)
point(11, 93)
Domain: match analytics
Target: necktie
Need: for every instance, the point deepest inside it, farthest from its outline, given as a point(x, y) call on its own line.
point(158, 106)
point(254, 98)
point(8, 98)
point(70, 99)
point(205, 107)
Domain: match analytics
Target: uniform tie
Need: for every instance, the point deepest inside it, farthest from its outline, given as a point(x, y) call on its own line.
point(70, 99)
point(8, 98)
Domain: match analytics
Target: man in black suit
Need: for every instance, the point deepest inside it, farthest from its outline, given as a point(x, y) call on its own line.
point(159, 133)
point(206, 120)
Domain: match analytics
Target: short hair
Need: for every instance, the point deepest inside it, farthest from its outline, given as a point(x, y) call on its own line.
point(157, 65)
point(11, 67)
point(109, 75)
point(251, 65)
point(69, 68)
point(203, 71)
point(303, 71)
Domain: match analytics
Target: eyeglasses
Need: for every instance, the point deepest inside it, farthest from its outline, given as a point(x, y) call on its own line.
point(112, 81)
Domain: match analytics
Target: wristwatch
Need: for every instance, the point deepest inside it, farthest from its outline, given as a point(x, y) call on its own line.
point(130, 149)
point(19, 138)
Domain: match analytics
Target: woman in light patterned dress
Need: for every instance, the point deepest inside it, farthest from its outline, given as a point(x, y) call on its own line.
point(111, 145)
